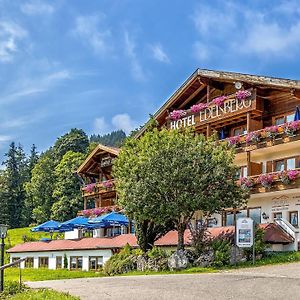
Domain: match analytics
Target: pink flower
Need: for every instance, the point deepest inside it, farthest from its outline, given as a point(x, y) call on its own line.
point(266, 180)
point(198, 107)
point(233, 140)
point(107, 184)
point(177, 114)
point(89, 187)
point(293, 174)
point(246, 183)
point(241, 95)
point(219, 101)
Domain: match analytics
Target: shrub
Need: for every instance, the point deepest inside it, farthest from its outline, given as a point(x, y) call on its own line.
point(65, 261)
point(11, 288)
point(259, 244)
point(121, 262)
point(222, 250)
point(157, 252)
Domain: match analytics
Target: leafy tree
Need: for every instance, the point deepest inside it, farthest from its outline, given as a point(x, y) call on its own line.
point(76, 140)
point(167, 175)
point(4, 212)
point(68, 200)
point(39, 189)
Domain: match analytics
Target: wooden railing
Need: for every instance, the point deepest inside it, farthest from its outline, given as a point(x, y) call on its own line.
point(266, 137)
point(98, 188)
point(274, 181)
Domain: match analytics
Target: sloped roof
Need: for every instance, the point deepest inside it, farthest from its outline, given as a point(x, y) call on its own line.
point(112, 150)
point(200, 75)
point(273, 234)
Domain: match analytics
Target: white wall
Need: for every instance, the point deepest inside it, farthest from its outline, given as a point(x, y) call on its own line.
point(106, 253)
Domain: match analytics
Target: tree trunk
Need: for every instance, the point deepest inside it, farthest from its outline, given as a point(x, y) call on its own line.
point(181, 229)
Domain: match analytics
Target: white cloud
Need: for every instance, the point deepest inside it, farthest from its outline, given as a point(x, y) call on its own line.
point(118, 122)
point(159, 53)
point(136, 68)
point(91, 29)
point(100, 126)
point(4, 139)
point(37, 7)
point(238, 29)
point(124, 122)
point(10, 34)
point(34, 85)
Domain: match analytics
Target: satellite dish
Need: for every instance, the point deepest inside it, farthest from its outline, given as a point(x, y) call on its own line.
point(238, 85)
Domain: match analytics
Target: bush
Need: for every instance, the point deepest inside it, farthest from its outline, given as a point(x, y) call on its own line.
point(157, 252)
point(11, 288)
point(259, 246)
point(222, 250)
point(122, 262)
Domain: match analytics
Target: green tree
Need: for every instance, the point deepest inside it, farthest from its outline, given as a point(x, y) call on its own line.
point(15, 177)
point(40, 188)
point(67, 195)
point(4, 211)
point(166, 176)
point(76, 140)
point(114, 138)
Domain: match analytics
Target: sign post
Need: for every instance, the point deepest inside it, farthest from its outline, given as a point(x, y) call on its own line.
point(245, 234)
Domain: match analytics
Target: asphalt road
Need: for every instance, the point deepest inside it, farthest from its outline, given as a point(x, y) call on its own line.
point(270, 282)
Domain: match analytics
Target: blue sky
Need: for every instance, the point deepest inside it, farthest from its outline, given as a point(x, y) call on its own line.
point(105, 65)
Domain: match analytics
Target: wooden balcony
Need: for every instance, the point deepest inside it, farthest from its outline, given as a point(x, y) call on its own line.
point(271, 182)
point(267, 137)
point(99, 189)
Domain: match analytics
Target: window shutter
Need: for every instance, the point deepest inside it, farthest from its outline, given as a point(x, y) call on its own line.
point(269, 166)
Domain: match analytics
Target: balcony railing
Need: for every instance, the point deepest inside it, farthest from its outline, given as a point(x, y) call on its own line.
point(270, 182)
point(266, 137)
point(98, 188)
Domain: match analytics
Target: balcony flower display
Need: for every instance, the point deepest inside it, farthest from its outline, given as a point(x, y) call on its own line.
point(108, 184)
point(198, 107)
point(287, 177)
point(234, 140)
point(177, 114)
point(219, 101)
point(266, 180)
point(96, 212)
point(89, 187)
point(246, 183)
point(273, 131)
point(252, 137)
point(241, 95)
point(291, 127)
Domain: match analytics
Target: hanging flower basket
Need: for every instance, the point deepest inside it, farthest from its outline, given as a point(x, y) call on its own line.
point(287, 177)
point(89, 187)
point(246, 183)
point(266, 180)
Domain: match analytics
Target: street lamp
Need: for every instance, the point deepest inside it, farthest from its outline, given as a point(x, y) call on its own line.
point(3, 233)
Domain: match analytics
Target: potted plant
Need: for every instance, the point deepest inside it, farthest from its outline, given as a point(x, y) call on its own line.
point(266, 180)
point(287, 177)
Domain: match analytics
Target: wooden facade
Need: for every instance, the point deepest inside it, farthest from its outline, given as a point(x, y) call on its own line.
point(98, 188)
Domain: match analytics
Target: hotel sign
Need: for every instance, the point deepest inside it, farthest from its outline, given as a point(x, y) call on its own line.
point(244, 232)
point(214, 112)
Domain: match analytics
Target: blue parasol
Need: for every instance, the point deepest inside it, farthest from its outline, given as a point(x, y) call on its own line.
point(110, 219)
point(297, 114)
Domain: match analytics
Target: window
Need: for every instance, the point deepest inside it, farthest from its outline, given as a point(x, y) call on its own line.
point(294, 218)
point(43, 262)
point(29, 262)
point(279, 165)
point(289, 117)
point(15, 259)
point(238, 131)
point(285, 164)
point(95, 263)
point(76, 262)
point(228, 217)
point(277, 215)
point(255, 214)
point(58, 262)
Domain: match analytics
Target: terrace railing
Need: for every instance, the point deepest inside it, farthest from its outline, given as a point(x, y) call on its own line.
point(98, 188)
point(270, 182)
point(266, 137)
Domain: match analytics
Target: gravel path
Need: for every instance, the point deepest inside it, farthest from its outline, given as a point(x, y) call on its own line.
point(269, 282)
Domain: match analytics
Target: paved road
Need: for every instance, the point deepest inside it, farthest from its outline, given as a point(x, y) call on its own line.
point(270, 282)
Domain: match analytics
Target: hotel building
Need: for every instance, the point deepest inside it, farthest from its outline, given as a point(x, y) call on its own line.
point(256, 115)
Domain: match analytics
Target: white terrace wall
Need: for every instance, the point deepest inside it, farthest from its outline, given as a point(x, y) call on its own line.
point(105, 253)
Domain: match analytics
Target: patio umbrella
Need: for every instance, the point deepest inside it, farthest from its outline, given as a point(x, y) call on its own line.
point(78, 222)
point(110, 219)
point(49, 226)
point(297, 114)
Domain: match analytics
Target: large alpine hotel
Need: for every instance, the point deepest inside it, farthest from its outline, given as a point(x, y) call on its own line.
point(257, 115)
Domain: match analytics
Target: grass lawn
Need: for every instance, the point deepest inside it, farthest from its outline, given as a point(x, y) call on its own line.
point(44, 294)
point(12, 274)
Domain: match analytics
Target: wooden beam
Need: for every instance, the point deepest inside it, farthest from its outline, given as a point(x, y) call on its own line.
point(197, 91)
